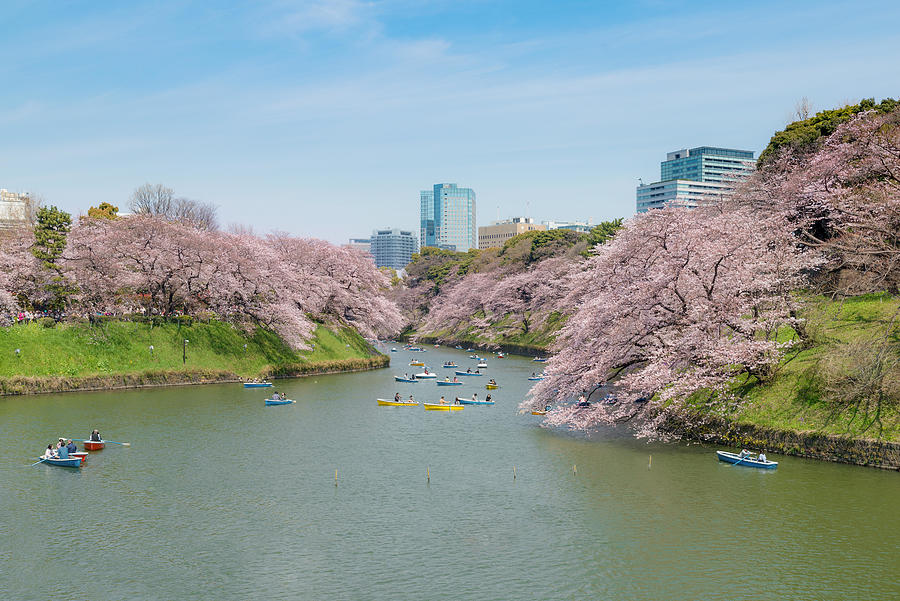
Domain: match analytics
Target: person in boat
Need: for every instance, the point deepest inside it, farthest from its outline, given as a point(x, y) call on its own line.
point(49, 453)
point(744, 453)
point(492, 382)
point(468, 370)
point(533, 375)
point(70, 447)
point(547, 407)
point(487, 399)
point(61, 449)
point(443, 401)
point(276, 396)
point(95, 436)
point(582, 401)
point(762, 457)
point(477, 371)
point(475, 396)
point(456, 402)
point(397, 397)
point(411, 399)
point(455, 379)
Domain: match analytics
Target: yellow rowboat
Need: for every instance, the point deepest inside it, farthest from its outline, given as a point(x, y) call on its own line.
point(492, 386)
point(538, 413)
point(433, 407)
point(385, 403)
point(418, 363)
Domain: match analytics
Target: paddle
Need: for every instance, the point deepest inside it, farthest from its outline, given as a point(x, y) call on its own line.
point(36, 462)
point(124, 444)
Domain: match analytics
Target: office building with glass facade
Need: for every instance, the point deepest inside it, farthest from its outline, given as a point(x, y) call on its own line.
point(689, 177)
point(448, 217)
point(393, 247)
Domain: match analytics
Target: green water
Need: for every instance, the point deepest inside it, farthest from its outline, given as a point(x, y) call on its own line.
point(221, 497)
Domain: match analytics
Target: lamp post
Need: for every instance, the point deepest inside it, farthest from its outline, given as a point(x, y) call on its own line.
point(184, 351)
point(151, 351)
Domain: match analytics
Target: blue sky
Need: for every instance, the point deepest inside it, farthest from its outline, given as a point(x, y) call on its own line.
point(326, 118)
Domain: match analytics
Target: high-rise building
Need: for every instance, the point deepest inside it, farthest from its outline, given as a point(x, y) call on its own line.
point(691, 177)
point(14, 208)
point(448, 217)
point(498, 232)
point(393, 247)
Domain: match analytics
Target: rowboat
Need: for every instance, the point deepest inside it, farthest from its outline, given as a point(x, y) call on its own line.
point(462, 401)
point(257, 384)
point(538, 413)
point(417, 363)
point(492, 386)
point(393, 350)
point(385, 403)
point(539, 359)
point(450, 365)
point(80, 454)
point(93, 445)
point(70, 462)
point(501, 356)
point(536, 378)
point(415, 349)
point(425, 376)
point(446, 383)
point(481, 365)
point(476, 357)
point(435, 407)
point(407, 380)
point(467, 373)
point(279, 402)
point(748, 460)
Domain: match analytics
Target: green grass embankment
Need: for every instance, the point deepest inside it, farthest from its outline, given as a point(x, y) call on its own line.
point(537, 341)
point(78, 356)
point(795, 399)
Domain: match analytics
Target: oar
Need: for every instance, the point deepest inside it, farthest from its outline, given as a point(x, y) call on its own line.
point(36, 462)
point(124, 444)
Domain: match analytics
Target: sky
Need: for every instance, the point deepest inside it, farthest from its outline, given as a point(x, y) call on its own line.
point(326, 118)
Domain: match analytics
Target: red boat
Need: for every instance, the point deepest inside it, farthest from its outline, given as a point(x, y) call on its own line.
point(93, 445)
point(80, 454)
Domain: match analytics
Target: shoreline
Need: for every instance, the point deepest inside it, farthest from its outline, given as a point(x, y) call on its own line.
point(881, 454)
point(511, 348)
point(31, 385)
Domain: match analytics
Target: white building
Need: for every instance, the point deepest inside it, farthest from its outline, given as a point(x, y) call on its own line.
point(14, 208)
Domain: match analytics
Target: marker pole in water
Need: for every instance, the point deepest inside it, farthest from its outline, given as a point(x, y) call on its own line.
point(650, 464)
point(427, 475)
point(574, 470)
point(335, 478)
point(514, 472)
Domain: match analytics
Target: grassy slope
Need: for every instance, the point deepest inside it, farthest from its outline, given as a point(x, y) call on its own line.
point(791, 400)
point(80, 350)
point(538, 339)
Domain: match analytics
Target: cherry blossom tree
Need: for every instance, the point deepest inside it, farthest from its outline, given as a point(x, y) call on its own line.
point(680, 300)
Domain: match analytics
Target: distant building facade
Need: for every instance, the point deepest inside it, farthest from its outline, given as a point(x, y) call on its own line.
point(14, 208)
point(393, 247)
point(690, 177)
point(447, 217)
point(498, 232)
point(582, 227)
point(362, 244)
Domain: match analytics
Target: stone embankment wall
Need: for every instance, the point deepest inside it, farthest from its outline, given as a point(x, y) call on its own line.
point(872, 453)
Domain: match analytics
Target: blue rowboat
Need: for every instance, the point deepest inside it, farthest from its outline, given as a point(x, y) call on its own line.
point(463, 401)
point(748, 460)
point(445, 383)
point(407, 380)
point(450, 366)
point(539, 359)
point(536, 379)
point(279, 402)
point(257, 384)
point(70, 462)
point(467, 373)
point(426, 376)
